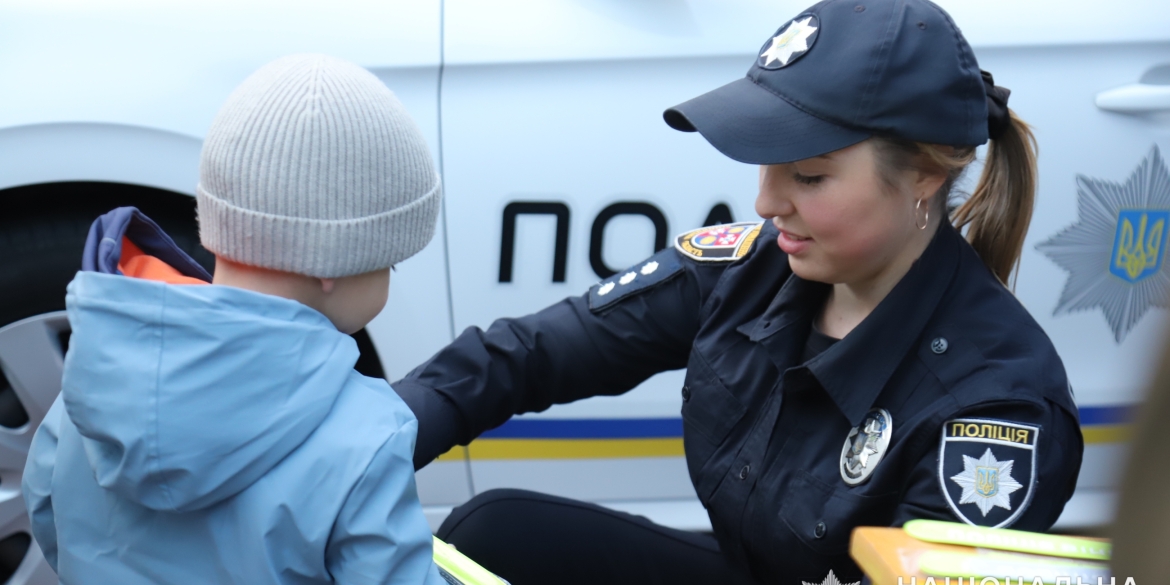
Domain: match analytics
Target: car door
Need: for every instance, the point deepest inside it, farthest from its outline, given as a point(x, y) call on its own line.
point(560, 171)
point(113, 98)
point(1107, 323)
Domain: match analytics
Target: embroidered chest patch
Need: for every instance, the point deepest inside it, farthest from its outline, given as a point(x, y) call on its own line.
point(987, 469)
point(719, 243)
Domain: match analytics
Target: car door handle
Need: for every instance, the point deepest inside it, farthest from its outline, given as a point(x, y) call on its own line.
point(1150, 94)
point(1136, 98)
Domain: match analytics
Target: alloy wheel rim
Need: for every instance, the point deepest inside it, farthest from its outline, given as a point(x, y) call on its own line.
point(32, 353)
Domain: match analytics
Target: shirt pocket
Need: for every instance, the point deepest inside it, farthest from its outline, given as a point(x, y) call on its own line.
point(823, 516)
point(709, 408)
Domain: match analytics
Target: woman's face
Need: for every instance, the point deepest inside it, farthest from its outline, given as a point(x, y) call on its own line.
point(839, 222)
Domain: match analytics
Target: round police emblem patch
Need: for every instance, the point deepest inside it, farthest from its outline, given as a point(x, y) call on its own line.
point(790, 43)
point(866, 445)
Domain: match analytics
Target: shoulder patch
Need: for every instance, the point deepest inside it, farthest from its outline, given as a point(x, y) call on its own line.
point(987, 469)
point(637, 278)
point(719, 243)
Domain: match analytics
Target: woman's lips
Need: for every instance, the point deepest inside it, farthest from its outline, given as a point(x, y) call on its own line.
point(793, 244)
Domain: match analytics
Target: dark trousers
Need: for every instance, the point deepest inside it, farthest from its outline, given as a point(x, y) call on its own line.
point(530, 538)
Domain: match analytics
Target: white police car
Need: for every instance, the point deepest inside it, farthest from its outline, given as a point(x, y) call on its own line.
point(545, 116)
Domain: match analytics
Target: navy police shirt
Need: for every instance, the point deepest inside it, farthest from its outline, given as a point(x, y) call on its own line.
point(947, 402)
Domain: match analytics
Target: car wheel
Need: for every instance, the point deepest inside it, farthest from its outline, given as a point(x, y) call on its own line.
point(31, 356)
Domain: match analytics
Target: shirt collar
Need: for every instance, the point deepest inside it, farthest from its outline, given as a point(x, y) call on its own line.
point(854, 371)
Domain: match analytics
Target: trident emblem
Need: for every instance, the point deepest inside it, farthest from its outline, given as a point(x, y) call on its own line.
point(987, 481)
point(1137, 249)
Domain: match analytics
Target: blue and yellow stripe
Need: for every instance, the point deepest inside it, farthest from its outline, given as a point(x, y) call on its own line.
point(621, 438)
point(609, 438)
point(1106, 424)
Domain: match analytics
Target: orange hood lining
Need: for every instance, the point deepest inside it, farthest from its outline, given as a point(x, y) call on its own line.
point(138, 264)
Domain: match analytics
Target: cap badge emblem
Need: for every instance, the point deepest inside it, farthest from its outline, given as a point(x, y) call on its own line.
point(793, 41)
point(865, 446)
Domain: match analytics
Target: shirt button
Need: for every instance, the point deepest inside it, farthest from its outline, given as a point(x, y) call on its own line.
point(820, 530)
point(939, 345)
point(743, 473)
point(686, 393)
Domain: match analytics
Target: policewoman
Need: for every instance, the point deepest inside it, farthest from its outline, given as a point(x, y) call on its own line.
point(855, 359)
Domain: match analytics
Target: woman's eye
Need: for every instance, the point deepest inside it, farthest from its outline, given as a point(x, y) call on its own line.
point(808, 180)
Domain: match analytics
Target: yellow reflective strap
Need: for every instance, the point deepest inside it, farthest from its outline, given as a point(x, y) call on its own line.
point(466, 571)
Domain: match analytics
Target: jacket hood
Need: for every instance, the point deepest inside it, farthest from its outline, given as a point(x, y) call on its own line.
point(184, 395)
point(104, 246)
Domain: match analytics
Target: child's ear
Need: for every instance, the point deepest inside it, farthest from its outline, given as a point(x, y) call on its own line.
point(327, 285)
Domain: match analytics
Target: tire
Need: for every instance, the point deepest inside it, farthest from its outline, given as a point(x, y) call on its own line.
point(40, 257)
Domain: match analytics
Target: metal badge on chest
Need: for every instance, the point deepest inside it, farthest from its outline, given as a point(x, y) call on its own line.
point(865, 446)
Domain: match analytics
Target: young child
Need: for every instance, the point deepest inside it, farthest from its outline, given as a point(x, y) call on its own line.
point(218, 433)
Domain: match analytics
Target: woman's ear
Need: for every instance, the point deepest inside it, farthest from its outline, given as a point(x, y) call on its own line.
point(327, 285)
point(929, 182)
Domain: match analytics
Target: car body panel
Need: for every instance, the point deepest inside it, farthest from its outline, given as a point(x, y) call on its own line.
point(123, 91)
point(563, 104)
point(560, 101)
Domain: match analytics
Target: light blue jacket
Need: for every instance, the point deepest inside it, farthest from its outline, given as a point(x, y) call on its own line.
point(207, 434)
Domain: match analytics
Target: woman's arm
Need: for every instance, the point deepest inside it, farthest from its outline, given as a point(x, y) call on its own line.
point(1024, 481)
point(595, 344)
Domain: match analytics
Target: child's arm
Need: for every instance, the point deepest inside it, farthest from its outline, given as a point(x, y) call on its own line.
point(381, 535)
point(38, 481)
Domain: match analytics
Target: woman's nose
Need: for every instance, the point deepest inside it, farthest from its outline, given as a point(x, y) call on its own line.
point(773, 200)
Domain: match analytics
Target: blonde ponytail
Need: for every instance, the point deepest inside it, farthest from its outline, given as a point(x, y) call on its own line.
point(999, 210)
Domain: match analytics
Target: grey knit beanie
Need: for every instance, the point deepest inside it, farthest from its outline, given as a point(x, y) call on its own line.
point(314, 167)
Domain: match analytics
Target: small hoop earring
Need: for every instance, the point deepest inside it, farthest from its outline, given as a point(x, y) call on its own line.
point(925, 219)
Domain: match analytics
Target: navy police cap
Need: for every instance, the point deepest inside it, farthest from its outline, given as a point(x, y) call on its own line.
point(840, 72)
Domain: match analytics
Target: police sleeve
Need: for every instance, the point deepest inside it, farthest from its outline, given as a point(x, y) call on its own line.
point(637, 323)
point(1007, 464)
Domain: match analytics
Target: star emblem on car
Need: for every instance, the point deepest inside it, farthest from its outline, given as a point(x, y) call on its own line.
point(1114, 252)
